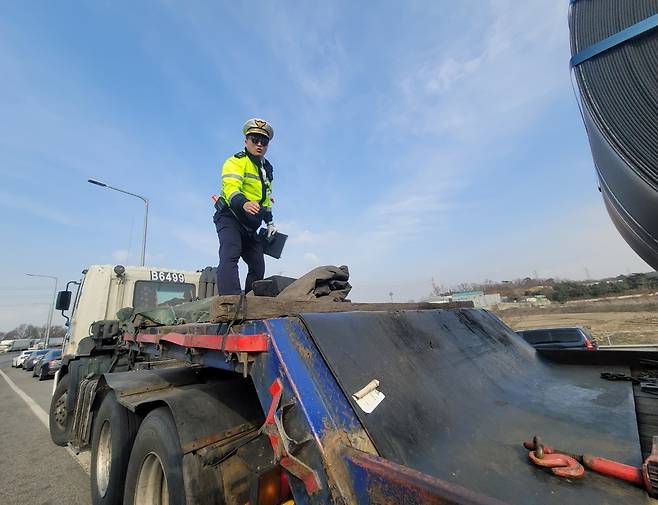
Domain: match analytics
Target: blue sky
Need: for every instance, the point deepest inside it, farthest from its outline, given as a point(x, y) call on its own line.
point(414, 140)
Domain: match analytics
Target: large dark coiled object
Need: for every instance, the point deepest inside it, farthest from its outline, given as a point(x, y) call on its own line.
point(619, 96)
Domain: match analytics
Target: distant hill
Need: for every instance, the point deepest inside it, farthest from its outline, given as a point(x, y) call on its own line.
point(559, 290)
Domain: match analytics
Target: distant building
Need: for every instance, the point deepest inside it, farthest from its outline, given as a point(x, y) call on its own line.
point(437, 299)
point(536, 300)
point(466, 296)
point(479, 299)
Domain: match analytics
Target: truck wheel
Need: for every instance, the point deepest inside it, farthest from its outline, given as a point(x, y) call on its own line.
point(58, 418)
point(155, 470)
point(112, 436)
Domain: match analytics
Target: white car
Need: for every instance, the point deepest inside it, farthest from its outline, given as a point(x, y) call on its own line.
point(18, 361)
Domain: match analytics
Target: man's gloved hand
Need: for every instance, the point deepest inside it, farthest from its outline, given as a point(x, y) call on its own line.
point(271, 230)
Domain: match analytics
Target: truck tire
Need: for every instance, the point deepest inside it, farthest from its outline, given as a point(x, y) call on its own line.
point(155, 470)
point(113, 434)
point(59, 419)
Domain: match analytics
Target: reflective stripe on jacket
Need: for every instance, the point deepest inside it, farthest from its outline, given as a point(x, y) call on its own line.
point(243, 180)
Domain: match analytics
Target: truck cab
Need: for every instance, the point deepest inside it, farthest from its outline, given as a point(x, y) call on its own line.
point(104, 289)
point(19, 344)
point(93, 329)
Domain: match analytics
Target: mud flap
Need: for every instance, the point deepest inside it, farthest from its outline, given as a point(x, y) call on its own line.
point(213, 419)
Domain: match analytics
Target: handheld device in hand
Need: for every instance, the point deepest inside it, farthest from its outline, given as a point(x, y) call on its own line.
point(272, 246)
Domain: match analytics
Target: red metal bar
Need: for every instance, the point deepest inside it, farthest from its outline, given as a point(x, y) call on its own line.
point(232, 343)
point(147, 338)
point(614, 469)
point(296, 467)
point(388, 482)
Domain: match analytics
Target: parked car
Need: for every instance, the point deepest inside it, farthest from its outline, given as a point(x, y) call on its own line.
point(29, 363)
point(559, 338)
point(48, 364)
point(17, 361)
point(51, 369)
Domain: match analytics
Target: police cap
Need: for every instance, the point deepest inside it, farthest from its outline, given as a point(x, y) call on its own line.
point(256, 125)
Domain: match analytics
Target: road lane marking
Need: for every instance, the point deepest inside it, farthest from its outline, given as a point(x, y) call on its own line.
point(38, 411)
point(43, 417)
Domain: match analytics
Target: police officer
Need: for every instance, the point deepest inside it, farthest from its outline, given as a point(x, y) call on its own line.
point(243, 205)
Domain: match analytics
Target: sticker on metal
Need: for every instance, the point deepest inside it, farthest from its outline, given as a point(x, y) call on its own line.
point(368, 398)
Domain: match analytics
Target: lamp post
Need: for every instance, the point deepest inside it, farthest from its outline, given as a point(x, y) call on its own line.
point(142, 198)
point(52, 305)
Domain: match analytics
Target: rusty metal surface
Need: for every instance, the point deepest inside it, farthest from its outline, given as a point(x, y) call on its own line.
point(382, 482)
point(135, 382)
point(205, 412)
point(462, 391)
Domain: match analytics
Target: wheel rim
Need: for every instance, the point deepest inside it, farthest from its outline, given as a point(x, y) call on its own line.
point(151, 488)
point(104, 459)
point(60, 411)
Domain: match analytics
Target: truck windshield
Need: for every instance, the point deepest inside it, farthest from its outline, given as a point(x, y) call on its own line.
point(150, 294)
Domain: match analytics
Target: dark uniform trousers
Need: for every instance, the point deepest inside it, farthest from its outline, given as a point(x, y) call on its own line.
point(235, 242)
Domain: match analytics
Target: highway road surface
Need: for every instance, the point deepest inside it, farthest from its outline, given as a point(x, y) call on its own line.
point(34, 471)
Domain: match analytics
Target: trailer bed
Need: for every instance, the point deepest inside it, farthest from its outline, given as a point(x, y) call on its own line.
point(462, 392)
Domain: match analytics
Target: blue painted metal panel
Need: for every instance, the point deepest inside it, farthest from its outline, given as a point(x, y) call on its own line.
point(324, 401)
point(644, 26)
point(323, 409)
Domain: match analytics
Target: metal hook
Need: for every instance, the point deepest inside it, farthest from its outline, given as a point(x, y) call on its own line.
point(560, 464)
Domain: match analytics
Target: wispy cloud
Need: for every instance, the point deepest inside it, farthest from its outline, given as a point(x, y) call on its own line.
point(314, 56)
point(34, 207)
point(476, 89)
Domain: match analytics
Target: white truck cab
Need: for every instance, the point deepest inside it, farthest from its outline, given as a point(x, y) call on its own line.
point(19, 344)
point(104, 289)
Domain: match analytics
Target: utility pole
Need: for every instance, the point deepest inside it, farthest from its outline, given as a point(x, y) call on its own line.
point(52, 305)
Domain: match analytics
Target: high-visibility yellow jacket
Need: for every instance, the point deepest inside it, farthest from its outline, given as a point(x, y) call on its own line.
point(247, 178)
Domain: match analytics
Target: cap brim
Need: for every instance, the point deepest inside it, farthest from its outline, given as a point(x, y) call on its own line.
point(260, 131)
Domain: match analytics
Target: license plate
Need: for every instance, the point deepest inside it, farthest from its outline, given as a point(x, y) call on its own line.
point(167, 276)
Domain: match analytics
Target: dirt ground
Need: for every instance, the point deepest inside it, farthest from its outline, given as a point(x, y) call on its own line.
point(611, 321)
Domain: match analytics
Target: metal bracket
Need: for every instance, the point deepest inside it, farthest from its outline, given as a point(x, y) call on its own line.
point(614, 40)
point(283, 444)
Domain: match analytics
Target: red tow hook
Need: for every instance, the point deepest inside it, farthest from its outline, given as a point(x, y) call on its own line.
point(560, 464)
point(603, 466)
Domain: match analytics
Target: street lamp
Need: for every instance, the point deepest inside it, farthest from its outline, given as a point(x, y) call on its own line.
point(50, 312)
point(143, 199)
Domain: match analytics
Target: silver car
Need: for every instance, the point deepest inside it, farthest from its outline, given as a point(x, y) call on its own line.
point(17, 361)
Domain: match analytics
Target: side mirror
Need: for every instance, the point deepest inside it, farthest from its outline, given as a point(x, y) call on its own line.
point(63, 300)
